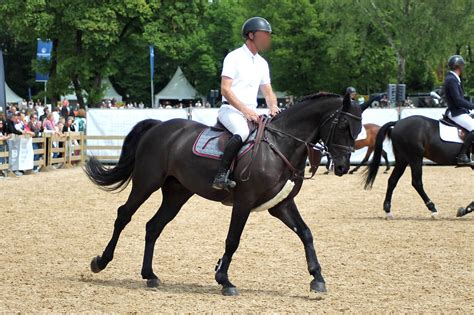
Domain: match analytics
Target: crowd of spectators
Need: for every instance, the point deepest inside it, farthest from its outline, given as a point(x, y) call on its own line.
point(34, 119)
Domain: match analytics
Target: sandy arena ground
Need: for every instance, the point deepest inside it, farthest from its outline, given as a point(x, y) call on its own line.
point(53, 223)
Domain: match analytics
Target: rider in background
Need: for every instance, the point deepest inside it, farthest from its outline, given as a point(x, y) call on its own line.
point(243, 73)
point(458, 106)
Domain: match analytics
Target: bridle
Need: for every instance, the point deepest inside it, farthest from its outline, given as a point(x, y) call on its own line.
point(335, 121)
point(314, 152)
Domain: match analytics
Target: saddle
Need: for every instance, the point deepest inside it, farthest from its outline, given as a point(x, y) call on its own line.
point(211, 142)
point(446, 121)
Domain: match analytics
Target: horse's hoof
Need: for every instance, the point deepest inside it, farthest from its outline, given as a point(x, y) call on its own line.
point(389, 216)
point(461, 212)
point(95, 266)
point(153, 283)
point(317, 286)
point(434, 215)
point(230, 291)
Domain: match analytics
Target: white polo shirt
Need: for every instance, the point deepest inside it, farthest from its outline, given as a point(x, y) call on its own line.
point(248, 72)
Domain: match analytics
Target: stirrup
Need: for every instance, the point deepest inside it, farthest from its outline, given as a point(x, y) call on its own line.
point(225, 184)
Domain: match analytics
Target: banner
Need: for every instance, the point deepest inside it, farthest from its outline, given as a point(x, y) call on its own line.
point(3, 96)
point(43, 52)
point(152, 62)
point(21, 153)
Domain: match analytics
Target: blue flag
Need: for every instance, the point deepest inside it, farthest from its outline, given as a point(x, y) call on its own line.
point(43, 52)
point(3, 96)
point(152, 62)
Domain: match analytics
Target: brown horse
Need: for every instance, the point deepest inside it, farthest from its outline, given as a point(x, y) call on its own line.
point(369, 142)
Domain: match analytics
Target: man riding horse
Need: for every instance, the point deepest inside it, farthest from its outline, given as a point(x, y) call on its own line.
point(458, 106)
point(243, 73)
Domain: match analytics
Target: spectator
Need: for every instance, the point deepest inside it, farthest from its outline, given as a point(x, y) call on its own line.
point(45, 115)
point(48, 124)
point(3, 137)
point(11, 111)
point(56, 115)
point(9, 125)
point(69, 126)
point(35, 127)
point(65, 109)
point(80, 120)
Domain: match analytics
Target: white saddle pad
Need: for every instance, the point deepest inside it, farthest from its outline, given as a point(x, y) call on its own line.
point(449, 134)
point(362, 135)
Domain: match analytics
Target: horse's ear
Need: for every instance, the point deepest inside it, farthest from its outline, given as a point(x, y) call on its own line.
point(346, 103)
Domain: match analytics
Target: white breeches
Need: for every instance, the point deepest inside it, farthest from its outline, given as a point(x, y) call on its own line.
point(234, 121)
point(464, 120)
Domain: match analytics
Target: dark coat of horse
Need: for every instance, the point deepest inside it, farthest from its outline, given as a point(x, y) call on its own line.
point(413, 138)
point(159, 155)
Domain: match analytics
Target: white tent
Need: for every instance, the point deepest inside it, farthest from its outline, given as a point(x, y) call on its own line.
point(178, 88)
point(109, 92)
point(11, 96)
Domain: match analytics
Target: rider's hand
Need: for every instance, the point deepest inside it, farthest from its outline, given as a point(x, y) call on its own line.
point(274, 110)
point(250, 114)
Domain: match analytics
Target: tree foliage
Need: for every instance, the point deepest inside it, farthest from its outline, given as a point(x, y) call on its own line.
point(317, 45)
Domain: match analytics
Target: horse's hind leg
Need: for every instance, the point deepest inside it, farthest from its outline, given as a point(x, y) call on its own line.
point(398, 171)
point(387, 163)
point(174, 197)
point(417, 183)
point(141, 190)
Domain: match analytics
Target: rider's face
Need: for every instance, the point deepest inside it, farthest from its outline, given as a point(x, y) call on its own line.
point(262, 40)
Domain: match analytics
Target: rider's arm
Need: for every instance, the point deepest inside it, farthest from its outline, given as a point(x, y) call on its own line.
point(270, 97)
point(226, 83)
point(457, 96)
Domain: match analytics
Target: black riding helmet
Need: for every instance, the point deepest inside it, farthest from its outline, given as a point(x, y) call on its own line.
point(455, 61)
point(255, 24)
point(351, 90)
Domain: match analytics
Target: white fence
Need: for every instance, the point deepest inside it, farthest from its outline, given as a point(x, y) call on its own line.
point(106, 122)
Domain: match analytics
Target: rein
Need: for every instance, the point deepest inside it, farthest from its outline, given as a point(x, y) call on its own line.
point(314, 153)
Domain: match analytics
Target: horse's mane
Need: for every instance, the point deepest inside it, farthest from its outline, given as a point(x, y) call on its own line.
point(317, 95)
point(302, 100)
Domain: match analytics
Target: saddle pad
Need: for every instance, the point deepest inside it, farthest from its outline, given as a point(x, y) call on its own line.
point(362, 135)
point(449, 134)
point(206, 144)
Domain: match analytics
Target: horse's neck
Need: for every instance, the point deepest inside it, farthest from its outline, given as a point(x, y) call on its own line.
point(303, 124)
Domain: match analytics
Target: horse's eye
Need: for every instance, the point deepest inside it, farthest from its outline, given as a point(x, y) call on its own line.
point(343, 124)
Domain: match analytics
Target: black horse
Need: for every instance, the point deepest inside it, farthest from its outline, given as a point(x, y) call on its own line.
point(158, 155)
point(413, 138)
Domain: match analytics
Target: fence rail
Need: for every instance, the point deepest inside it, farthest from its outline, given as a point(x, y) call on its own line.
point(54, 151)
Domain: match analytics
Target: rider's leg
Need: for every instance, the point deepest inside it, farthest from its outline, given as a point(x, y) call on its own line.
point(236, 123)
point(467, 122)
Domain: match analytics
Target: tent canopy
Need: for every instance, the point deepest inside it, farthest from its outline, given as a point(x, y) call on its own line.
point(178, 88)
point(109, 92)
point(12, 97)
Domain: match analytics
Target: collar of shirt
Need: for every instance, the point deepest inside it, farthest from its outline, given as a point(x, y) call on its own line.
point(456, 75)
point(248, 52)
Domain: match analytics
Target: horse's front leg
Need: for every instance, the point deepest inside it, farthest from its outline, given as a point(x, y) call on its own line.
point(288, 213)
point(237, 223)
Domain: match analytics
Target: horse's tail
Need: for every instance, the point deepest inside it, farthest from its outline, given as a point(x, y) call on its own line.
point(118, 177)
point(372, 169)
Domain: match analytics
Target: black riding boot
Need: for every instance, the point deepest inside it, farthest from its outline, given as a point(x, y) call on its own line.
point(222, 181)
point(464, 157)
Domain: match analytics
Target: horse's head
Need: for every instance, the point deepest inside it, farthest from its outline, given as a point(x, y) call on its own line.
point(339, 132)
